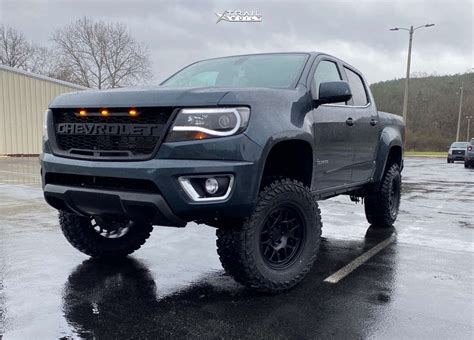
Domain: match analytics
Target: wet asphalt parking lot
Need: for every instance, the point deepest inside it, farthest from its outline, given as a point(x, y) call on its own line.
point(419, 282)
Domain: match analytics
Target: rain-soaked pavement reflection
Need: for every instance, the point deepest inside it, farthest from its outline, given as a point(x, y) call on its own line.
point(419, 287)
point(100, 295)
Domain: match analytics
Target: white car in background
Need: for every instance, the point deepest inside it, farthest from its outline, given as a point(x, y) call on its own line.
point(457, 151)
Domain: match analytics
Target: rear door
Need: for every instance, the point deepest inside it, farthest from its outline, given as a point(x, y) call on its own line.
point(366, 128)
point(332, 136)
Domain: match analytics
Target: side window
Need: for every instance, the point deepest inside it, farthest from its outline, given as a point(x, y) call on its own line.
point(359, 94)
point(326, 71)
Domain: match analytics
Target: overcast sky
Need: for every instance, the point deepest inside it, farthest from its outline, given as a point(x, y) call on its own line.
point(180, 32)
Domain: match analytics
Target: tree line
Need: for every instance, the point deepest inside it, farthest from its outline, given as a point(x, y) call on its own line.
point(433, 107)
point(90, 53)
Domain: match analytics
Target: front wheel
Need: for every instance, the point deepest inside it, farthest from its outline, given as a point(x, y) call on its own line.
point(382, 203)
point(104, 237)
point(276, 247)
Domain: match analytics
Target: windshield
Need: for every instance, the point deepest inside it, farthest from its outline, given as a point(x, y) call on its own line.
point(459, 145)
point(264, 70)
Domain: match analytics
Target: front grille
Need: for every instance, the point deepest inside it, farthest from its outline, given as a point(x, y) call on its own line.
point(117, 135)
point(458, 152)
point(99, 182)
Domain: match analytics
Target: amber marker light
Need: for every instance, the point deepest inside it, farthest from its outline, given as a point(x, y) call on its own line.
point(83, 113)
point(200, 135)
point(133, 112)
point(104, 113)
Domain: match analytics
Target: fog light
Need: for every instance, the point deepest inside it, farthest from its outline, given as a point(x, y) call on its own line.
point(211, 185)
point(201, 188)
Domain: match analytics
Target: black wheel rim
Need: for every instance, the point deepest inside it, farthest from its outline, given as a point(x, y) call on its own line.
point(394, 196)
point(281, 237)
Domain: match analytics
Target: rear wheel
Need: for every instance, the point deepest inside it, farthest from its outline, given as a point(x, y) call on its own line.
point(382, 203)
point(104, 237)
point(276, 247)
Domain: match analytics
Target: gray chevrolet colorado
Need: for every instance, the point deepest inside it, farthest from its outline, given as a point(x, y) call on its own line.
point(246, 144)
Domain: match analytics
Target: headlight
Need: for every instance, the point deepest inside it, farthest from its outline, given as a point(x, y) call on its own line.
point(204, 123)
point(45, 125)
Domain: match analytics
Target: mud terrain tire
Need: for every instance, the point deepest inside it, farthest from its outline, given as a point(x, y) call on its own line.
point(383, 202)
point(277, 245)
point(80, 233)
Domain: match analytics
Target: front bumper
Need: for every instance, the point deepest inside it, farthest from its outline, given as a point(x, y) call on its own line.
point(169, 206)
point(89, 202)
point(456, 157)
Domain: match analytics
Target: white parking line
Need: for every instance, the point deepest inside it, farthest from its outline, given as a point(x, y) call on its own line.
point(350, 267)
point(19, 173)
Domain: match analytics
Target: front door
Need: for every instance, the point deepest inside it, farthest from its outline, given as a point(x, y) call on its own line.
point(332, 135)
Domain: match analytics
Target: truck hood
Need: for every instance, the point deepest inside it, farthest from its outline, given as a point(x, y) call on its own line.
point(140, 97)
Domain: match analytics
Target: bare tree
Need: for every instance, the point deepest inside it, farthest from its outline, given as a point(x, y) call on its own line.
point(15, 51)
point(100, 55)
point(43, 61)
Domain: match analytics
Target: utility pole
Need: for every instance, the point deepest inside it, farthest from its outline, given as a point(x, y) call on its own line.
point(460, 111)
point(410, 30)
point(407, 79)
point(468, 127)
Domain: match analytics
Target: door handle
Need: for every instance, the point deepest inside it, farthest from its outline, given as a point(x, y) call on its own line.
point(373, 122)
point(349, 121)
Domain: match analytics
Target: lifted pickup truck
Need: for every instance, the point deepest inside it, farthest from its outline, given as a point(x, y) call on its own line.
point(246, 144)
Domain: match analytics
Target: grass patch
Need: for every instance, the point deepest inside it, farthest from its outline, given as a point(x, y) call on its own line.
point(426, 154)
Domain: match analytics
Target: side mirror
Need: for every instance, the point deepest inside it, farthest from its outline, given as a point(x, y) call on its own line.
point(333, 92)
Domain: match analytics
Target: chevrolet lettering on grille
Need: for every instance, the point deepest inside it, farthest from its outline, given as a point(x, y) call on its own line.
point(109, 129)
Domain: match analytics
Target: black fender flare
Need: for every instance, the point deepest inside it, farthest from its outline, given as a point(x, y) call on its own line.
point(390, 137)
point(298, 135)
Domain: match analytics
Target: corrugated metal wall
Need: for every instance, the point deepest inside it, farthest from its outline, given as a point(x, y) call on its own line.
point(23, 99)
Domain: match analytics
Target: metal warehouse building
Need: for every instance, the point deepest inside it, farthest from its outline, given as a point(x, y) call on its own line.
point(24, 97)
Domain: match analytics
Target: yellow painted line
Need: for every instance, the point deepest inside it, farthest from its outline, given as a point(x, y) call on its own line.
point(350, 267)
